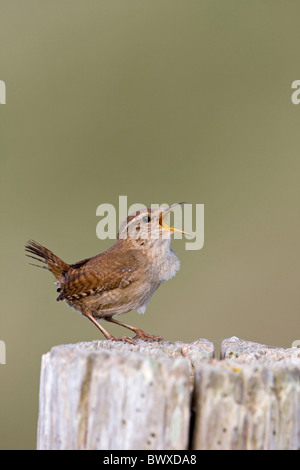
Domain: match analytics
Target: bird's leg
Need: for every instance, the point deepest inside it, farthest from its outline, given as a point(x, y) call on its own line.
point(107, 335)
point(139, 334)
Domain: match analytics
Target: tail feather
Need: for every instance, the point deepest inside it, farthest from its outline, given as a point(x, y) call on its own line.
point(53, 263)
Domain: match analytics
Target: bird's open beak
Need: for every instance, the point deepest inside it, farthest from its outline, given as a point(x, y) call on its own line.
point(163, 224)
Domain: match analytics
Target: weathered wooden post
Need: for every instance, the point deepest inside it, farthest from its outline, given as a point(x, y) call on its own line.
point(169, 396)
point(248, 400)
point(108, 395)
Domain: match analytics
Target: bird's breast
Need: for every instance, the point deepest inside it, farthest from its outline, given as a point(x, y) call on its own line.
point(164, 265)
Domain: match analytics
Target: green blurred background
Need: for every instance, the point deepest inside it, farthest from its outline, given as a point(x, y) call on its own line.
point(162, 101)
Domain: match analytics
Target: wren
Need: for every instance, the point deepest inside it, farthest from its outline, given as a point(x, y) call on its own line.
point(122, 278)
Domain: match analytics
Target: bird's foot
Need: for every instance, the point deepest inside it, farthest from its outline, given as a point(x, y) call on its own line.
point(126, 339)
point(140, 334)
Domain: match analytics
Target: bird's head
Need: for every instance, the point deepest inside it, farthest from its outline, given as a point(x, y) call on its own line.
point(148, 226)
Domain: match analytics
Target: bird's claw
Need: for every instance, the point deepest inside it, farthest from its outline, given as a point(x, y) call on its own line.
point(126, 339)
point(146, 337)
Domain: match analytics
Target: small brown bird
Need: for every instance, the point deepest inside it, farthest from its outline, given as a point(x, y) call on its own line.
point(122, 278)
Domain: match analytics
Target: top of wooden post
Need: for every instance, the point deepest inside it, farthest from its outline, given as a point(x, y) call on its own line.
point(113, 395)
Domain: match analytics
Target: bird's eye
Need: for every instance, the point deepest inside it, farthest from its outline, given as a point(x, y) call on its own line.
point(146, 219)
